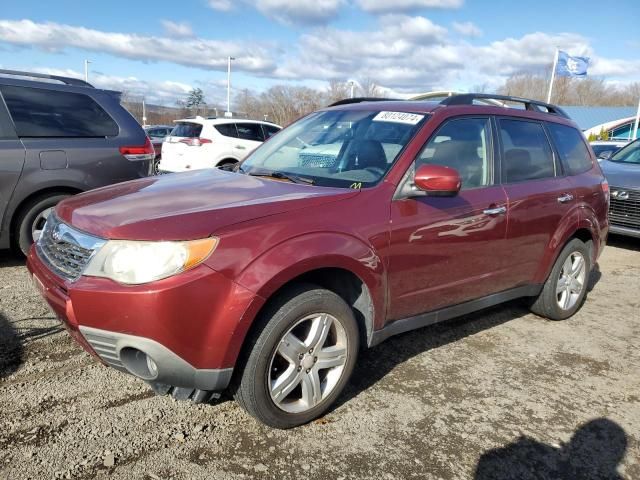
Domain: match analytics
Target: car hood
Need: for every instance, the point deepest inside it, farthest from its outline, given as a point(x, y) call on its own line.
point(187, 206)
point(621, 174)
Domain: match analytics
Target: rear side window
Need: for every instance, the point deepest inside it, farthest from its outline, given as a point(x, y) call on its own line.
point(227, 130)
point(571, 148)
point(49, 113)
point(526, 152)
point(250, 131)
point(269, 131)
point(187, 130)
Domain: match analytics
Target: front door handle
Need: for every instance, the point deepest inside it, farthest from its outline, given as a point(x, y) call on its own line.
point(495, 210)
point(241, 147)
point(565, 197)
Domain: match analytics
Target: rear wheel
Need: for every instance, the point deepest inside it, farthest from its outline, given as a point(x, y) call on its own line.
point(565, 289)
point(301, 360)
point(32, 218)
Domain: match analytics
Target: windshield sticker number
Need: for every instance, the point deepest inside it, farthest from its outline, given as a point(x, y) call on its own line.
point(398, 117)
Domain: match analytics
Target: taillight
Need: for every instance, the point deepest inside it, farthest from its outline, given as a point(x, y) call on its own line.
point(140, 152)
point(195, 142)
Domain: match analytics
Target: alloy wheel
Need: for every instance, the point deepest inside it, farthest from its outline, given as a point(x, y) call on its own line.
point(571, 281)
point(38, 223)
point(308, 363)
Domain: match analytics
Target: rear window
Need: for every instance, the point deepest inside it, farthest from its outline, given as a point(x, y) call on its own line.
point(50, 113)
point(187, 130)
point(250, 131)
point(571, 147)
point(227, 130)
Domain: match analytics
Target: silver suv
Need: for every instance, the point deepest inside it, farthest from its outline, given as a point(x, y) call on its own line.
point(60, 136)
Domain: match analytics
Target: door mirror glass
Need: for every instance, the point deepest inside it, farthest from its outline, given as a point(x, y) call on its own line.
point(437, 180)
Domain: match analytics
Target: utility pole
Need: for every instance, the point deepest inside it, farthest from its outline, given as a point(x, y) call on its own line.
point(228, 112)
point(553, 75)
point(86, 70)
point(144, 114)
point(352, 83)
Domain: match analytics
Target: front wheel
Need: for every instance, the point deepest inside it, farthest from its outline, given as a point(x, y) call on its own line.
point(302, 358)
point(564, 291)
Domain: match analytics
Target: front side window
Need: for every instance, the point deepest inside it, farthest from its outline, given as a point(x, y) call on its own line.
point(39, 113)
point(571, 148)
point(250, 131)
point(628, 154)
point(462, 144)
point(337, 148)
point(526, 152)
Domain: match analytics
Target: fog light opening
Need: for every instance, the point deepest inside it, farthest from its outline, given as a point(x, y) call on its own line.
point(139, 363)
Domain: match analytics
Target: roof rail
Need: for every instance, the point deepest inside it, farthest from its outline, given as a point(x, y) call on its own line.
point(66, 80)
point(347, 101)
point(533, 105)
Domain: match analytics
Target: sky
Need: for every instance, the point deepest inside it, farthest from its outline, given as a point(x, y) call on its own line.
point(160, 50)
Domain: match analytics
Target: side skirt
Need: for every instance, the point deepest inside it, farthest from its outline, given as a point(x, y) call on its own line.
point(406, 324)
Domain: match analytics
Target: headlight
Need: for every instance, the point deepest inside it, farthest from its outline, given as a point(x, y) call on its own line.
point(135, 262)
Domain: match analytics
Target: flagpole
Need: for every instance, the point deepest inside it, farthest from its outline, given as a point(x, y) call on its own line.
point(635, 129)
point(553, 76)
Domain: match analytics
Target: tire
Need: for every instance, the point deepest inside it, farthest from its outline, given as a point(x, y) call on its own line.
point(284, 393)
point(31, 219)
point(560, 297)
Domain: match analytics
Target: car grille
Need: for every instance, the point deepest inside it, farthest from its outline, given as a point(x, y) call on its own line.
point(317, 160)
point(625, 207)
point(66, 250)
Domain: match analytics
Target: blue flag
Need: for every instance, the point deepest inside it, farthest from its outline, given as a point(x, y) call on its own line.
point(569, 66)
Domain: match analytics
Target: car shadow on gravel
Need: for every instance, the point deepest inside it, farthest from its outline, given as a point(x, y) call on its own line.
point(375, 363)
point(594, 452)
point(620, 241)
point(10, 259)
point(11, 350)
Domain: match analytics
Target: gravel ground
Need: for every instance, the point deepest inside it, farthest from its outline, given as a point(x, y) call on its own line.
point(497, 394)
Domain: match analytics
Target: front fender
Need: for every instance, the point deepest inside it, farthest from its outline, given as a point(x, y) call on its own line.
point(269, 272)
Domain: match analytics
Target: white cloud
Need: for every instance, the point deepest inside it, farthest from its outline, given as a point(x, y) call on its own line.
point(158, 92)
point(308, 12)
point(221, 5)
point(177, 29)
point(468, 29)
point(388, 6)
point(192, 52)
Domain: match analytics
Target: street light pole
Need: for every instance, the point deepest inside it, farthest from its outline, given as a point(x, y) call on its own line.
point(352, 85)
point(86, 70)
point(228, 112)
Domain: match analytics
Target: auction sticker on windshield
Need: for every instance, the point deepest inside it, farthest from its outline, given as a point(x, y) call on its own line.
point(398, 117)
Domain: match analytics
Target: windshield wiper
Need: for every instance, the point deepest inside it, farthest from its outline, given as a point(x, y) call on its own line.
point(283, 176)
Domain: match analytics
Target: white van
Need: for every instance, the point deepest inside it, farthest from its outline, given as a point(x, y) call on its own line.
point(196, 143)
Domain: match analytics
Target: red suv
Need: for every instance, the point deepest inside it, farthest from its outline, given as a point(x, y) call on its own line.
point(356, 223)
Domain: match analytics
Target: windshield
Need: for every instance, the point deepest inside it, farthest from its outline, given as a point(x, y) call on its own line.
point(628, 154)
point(339, 148)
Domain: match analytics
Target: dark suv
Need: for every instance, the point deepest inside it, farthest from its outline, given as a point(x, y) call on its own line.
point(59, 136)
point(356, 223)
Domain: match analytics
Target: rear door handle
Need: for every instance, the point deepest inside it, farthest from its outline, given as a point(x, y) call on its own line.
point(565, 197)
point(241, 147)
point(495, 210)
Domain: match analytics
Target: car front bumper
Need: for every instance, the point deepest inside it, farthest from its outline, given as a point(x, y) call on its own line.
point(178, 334)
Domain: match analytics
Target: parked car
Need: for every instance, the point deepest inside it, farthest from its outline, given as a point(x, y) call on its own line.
point(622, 170)
point(59, 136)
point(270, 279)
point(157, 135)
point(605, 148)
point(197, 143)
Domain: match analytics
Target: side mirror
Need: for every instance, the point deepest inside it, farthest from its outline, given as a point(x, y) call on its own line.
point(437, 180)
